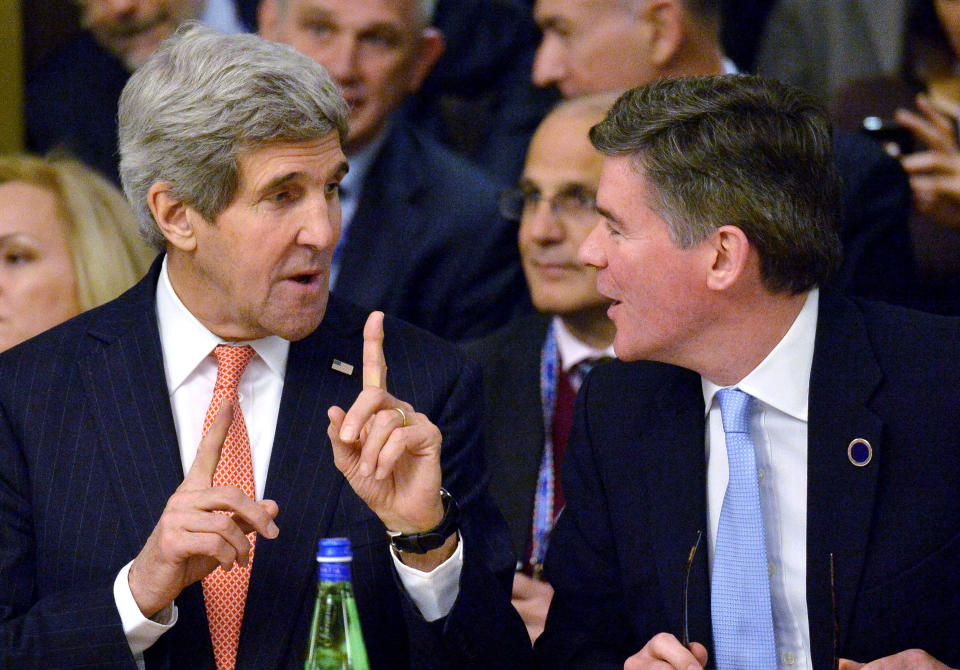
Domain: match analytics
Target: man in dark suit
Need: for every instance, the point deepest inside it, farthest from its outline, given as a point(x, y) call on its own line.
point(479, 99)
point(533, 367)
point(71, 98)
point(813, 440)
point(681, 38)
point(459, 275)
point(111, 557)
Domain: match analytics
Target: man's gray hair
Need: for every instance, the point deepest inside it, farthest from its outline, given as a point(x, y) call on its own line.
point(202, 99)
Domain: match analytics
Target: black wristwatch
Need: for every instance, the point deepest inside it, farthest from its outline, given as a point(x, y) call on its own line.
point(421, 543)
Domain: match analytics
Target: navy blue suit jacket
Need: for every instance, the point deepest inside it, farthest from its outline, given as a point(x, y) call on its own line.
point(89, 456)
point(427, 243)
point(635, 485)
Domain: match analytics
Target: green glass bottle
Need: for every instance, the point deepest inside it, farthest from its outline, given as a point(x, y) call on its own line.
point(336, 642)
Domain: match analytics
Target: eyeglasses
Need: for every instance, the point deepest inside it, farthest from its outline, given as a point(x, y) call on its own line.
point(575, 203)
point(685, 633)
point(833, 612)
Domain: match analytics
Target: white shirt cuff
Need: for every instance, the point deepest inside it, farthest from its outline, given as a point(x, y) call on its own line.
point(140, 631)
point(433, 592)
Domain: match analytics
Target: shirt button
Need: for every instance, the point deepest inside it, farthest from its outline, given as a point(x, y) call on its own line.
point(240, 397)
point(761, 474)
point(771, 569)
point(789, 658)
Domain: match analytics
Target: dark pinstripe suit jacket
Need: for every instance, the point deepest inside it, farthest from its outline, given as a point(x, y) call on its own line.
point(89, 456)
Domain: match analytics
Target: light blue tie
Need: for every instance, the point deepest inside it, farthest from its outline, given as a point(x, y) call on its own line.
point(740, 586)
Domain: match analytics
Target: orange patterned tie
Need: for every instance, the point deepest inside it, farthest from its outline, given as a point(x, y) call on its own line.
point(225, 593)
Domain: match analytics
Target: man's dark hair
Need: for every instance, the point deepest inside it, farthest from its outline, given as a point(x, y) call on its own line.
point(741, 151)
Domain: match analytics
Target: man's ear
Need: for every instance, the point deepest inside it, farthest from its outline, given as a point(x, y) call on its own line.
point(729, 251)
point(429, 50)
point(176, 220)
point(268, 19)
point(665, 25)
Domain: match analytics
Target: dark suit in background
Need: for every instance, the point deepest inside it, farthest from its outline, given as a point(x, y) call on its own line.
point(479, 99)
point(71, 102)
point(878, 261)
point(459, 273)
point(89, 457)
point(513, 418)
point(635, 484)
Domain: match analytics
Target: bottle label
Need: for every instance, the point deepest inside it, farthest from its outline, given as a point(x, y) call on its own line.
point(330, 571)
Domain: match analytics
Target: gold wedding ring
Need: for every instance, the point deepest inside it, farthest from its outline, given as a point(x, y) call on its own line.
point(403, 417)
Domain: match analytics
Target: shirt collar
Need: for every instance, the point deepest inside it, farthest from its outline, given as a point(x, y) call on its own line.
point(186, 342)
point(571, 350)
point(782, 380)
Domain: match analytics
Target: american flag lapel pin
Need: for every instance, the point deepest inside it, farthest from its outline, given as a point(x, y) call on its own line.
point(340, 366)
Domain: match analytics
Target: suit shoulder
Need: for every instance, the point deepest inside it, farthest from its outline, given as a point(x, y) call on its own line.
point(907, 344)
point(903, 332)
point(448, 170)
point(76, 65)
point(519, 333)
point(639, 387)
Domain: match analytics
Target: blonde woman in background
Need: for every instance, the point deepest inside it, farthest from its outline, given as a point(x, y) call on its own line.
point(68, 242)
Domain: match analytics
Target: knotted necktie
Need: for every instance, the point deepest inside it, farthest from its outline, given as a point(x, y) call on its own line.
point(225, 593)
point(580, 371)
point(740, 587)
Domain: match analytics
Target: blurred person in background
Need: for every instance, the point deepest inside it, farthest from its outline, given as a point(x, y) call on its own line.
point(913, 113)
point(534, 366)
point(935, 169)
point(459, 276)
point(600, 45)
point(68, 242)
point(71, 97)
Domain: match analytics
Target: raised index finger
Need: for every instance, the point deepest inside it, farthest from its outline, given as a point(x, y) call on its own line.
point(204, 465)
point(374, 363)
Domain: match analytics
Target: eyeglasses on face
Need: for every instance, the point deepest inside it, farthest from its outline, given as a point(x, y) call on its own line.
point(574, 203)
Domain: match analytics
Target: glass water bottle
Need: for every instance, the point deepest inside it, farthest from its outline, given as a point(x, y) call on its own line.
point(336, 642)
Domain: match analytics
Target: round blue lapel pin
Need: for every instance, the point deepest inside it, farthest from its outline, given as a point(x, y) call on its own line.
point(859, 452)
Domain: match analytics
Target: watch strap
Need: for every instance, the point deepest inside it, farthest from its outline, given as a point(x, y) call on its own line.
point(421, 543)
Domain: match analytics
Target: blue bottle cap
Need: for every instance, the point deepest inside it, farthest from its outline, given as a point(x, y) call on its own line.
point(334, 549)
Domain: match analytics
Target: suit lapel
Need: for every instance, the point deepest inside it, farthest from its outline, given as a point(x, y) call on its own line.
point(840, 496)
point(305, 483)
point(673, 453)
point(123, 377)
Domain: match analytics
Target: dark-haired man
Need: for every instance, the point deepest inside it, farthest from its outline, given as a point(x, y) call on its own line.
point(813, 441)
point(543, 358)
point(602, 45)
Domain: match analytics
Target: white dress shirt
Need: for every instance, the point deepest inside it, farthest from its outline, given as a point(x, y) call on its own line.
point(191, 372)
point(778, 426)
point(222, 15)
point(573, 351)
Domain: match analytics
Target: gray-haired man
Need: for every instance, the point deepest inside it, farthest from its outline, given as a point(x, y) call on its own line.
point(231, 153)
